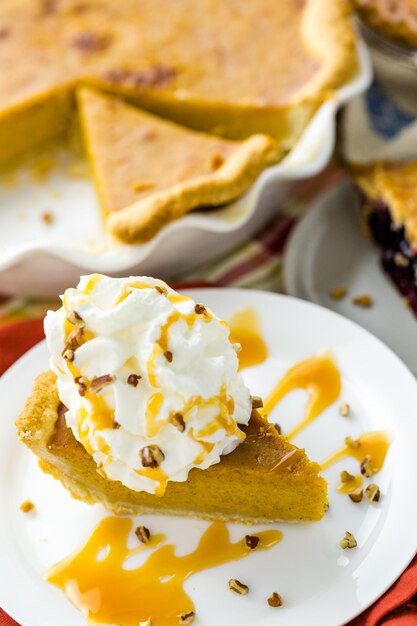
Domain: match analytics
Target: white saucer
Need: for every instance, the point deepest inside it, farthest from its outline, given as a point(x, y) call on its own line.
point(328, 249)
point(320, 584)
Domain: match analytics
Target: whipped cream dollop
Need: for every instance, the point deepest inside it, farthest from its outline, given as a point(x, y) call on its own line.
point(150, 379)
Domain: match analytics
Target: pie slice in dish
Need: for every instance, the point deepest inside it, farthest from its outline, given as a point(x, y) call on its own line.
point(264, 479)
point(389, 205)
point(149, 172)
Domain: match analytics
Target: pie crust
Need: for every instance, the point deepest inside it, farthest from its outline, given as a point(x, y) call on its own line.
point(149, 172)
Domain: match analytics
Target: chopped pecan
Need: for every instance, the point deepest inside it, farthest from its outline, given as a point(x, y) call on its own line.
point(186, 618)
point(133, 379)
point(161, 290)
point(257, 402)
point(373, 493)
point(274, 599)
point(344, 409)
point(345, 477)
point(356, 496)
point(143, 534)
point(348, 541)
point(238, 587)
point(82, 384)
point(99, 382)
point(251, 541)
point(352, 443)
point(278, 428)
point(338, 293)
point(364, 301)
point(75, 318)
point(73, 342)
point(177, 420)
point(200, 309)
point(151, 456)
point(168, 356)
point(367, 468)
point(68, 354)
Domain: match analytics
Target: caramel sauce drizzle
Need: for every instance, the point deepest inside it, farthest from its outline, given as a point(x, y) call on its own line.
point(373, 445)
point(245, 329)
point(320, 377)
point(106, 592)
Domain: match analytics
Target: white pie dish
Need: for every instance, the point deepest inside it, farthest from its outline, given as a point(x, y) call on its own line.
point(42, 259)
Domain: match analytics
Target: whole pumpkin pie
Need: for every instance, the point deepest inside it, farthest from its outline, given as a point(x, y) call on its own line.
point(229, 68)
point(388, 195)
point(157, 417)
point(149, 171)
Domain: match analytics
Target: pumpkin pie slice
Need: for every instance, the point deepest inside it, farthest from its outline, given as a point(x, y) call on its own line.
point(149, 171)
point(388, 191)
point(264, 479)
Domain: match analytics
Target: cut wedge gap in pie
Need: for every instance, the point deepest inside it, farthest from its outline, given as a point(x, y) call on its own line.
point(389, 207)
point(265, 479)
point(149, 171)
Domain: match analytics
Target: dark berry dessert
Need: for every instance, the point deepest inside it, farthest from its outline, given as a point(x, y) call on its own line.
point(388, 199)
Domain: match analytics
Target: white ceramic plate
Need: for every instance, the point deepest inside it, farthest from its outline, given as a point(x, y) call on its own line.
point(328, 249)
point(321, 584)
point(38, 259)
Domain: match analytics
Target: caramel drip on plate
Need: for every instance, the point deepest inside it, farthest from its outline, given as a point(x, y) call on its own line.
point(320, 377)
point(350, 486)
point(373, 445)
point(107, 593)
point(245, 329)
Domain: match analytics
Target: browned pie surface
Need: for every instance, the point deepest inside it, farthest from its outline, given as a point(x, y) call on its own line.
point(396, 19)
point(199, 63)
point(266, 478)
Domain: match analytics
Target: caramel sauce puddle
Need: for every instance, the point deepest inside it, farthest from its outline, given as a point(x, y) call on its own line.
point(245, 328)
point(107, 593)
point(372, 446)
point(320, 377)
